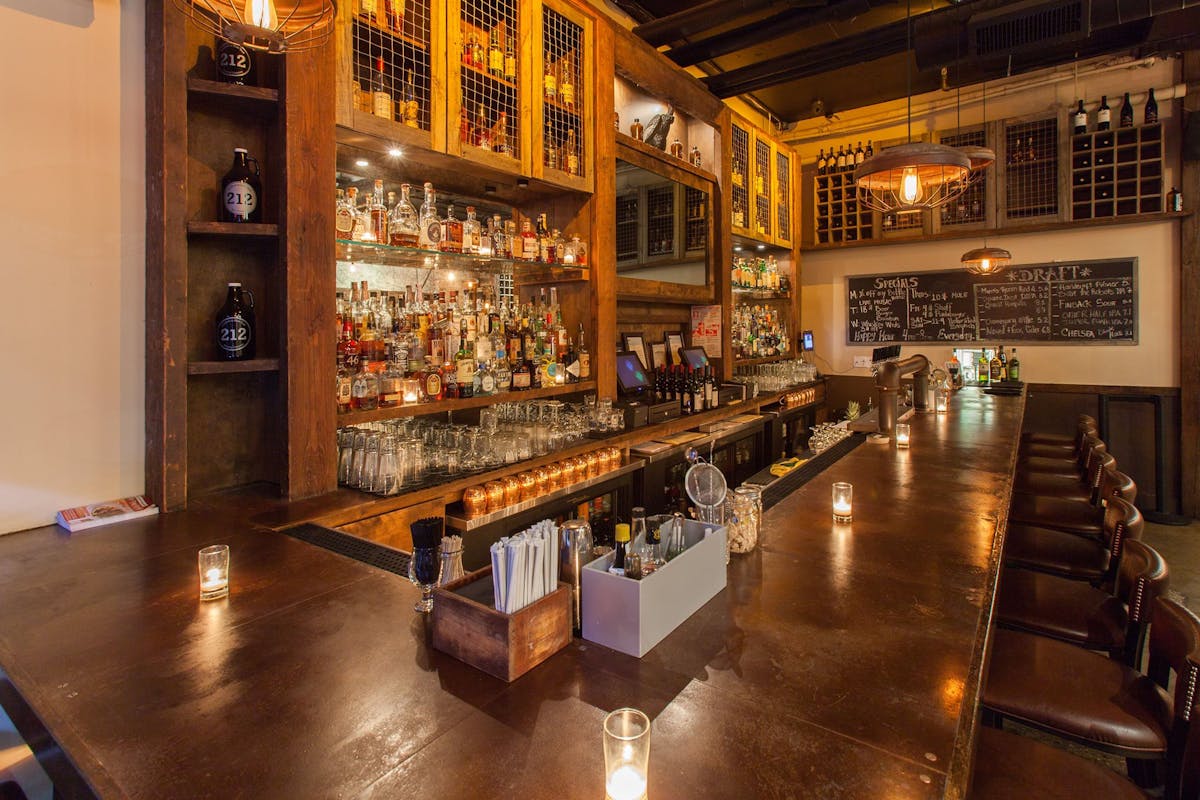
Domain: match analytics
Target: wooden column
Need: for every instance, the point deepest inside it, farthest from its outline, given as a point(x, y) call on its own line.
point(309, 277)
point(1189, 307)
point(603, 256)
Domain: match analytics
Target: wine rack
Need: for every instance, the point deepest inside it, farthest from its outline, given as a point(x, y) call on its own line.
point(838, 216)
point(1031, 169)
point(1117, 172)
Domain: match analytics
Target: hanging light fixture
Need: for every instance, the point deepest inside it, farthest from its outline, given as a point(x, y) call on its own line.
point(986, 260)
point(272, 26)
point(913, 176)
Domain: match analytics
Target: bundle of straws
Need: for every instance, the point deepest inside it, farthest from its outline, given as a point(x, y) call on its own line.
point(427, 532)
point(525, 566)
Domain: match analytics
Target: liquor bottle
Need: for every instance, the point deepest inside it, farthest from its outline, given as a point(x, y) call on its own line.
point(1151, 113)
point(860, 155)
point(545, 254)
point(382, 104)
point(521, 377)
point(1014, 367)
point(739, 213)
point(391, 385)
point(1126, 113)
point(365, 389)
point(550, 82)
point(821, 161)
point(472, 233)
point(566, 83)
point(411, 106)
point(1174, 200)
point(1003, 365)
point(620, 549)
point(241, 189)
point(431, 227)
point(685, 393)
point(378, 215)
point(697, 390)
point(235, 325)
point(677, 149)
point(483, 131)
point(477, 54)
point(636, 130)
point(1103, 114)
point(510, 59)
point(870, 151)
point(995, 367)
point(500, 135)
point(1079, 120)
point(585, 358)
point(495, 53)
point(695, 158)
point(452, 232)
point(841, 159)
point(343, 383)
point(982, 369)
point(450, 381)
point(343, 217)
point(348, 348)
point(234, 63)
point(464, 126)
point(465, 366)
point(404, 227)
point(570, 154)
point(368, 10)
point(715, 387)
point(529, 242)
point(394, 13)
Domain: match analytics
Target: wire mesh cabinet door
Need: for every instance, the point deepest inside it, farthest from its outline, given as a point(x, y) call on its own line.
point(784, 197)
point(975, 208)
point(489, 93)
point(762, 186)
point(741, 178)
point(1032, 180)
point(562, 139)
point(390, 74)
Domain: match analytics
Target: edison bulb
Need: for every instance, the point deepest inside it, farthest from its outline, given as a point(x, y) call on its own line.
point(910, 187)
point(985, 265)
point(261, 13)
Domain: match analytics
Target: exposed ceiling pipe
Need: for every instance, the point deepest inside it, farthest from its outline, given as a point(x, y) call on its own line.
point(704, 16)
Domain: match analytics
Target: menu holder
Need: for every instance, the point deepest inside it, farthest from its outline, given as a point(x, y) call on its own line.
point(466, 625)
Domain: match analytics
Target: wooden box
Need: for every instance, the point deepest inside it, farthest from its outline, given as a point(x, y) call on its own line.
point(468, 627)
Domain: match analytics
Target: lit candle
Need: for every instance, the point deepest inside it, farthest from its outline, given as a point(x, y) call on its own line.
point(626, 783)
point(941, 401)
point(903, 433)
point(214, 572)
point(843, 502)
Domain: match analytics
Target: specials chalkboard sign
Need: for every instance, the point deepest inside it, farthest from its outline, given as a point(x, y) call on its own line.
point(1085, 302)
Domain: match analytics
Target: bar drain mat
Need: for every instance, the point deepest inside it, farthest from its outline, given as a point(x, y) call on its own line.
point(376, 555)
point(784, 486)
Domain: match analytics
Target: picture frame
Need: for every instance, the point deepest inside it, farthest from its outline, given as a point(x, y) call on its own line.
point(673, 341)
point(636, 343)
point(658, 354)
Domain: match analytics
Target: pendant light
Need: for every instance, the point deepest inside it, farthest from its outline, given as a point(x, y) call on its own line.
point(913, 176)
point(986, 260)
point(272, 26)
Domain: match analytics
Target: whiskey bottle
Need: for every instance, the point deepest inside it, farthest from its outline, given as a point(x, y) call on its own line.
point(510, 60)
point(695, 157)
point(378, 215)
point(452, 232)
point(521, 377)
point(550, 82)
point(1079, 120)
point(585, 358)
point(241, 189)
point(391, 385)
point(365, 390)
point(1126, 113)
point(343, 217)
point(1014, 367)
point(677, 149)
point(1151, 113)
point(430, 235)
point(411, 107)
point(982, 369)
point(235, 325)
point(404, 228)
point(1103, 114)
point(995, 368)
point(545, 251)
point(500, 135)
point(483, 131)
point(465, 366)
point(571, 154)
point(1003, 364)
point(381, 92)
point(636, 130)
point(343, 383)
point(566, 85)
point(495, 53)
point(529, 242)
point(348, 349)
point(471, 233)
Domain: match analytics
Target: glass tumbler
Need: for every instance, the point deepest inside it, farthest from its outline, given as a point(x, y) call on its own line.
point(626, 754)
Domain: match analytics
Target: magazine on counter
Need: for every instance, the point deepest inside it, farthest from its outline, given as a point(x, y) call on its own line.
point(95, 514)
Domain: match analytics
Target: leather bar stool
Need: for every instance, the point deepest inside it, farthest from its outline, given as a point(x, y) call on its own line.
point(1042, 437)
point(1077, 558)
point(1028, 449)
point(1072, 515)
point(1093, 700)
point(1074, 462)
point(1071, 484)
point(1112, 619)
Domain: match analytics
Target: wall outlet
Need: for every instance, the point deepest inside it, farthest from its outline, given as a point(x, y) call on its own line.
point(862, 361)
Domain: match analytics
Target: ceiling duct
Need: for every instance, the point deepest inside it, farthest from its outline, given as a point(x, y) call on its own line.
point(1028, 25)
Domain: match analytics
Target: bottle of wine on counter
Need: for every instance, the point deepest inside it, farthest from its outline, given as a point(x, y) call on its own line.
point(1003, 365)
point(1014, 367)
point(621, 548)
point(1079, 120)
point(240, 189)
point(1151, 113)
point(982, 369)
point(995, 367)
point(1103, 114)
point(1127, 113)
point(235, 325)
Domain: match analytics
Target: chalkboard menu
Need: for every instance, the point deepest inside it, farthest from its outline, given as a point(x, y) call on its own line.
point(1086, 302)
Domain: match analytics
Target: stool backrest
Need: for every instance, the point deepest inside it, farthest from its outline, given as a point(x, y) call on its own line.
point(1188, 786)
point(1088, 442)
point(1141, 579)
point(1175, 648)
point(1114, 483)
point(1122, 522)
point(1098, 461)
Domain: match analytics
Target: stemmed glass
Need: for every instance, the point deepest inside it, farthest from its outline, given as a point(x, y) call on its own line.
point(424, 570)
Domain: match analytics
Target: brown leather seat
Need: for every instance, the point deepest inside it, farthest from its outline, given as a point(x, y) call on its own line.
point(1071, 611)
point(1075, 557)
point(1074, 515)
point(1082, 485)
point(1061, 449)
point(1088, 698)
point(1053, 437)
point(1012, 767)
point(1074, 462)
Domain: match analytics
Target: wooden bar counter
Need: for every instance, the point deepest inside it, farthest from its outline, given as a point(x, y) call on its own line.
point(842, 661)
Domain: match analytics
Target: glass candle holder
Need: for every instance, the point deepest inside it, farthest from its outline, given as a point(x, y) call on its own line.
point(412, 391)
point(214, 572)
point(903, 434)
point(626, 754)
point(843, 502)
point(941, 400)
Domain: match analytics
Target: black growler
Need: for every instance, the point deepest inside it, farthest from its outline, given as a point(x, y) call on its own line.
point(235, 325)
point(241, 190)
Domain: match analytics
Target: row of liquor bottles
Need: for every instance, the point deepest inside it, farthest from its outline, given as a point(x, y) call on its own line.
point(998, 368)
point(676, 150)
point(758, 273)
point(762, 178)
point(846, 158)
point(694, 389)
point(406, 348)
point(1079, 116)
point(758, 331)
point(397, 222)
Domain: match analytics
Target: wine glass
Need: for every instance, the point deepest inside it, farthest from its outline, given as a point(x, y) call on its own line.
point(424, 570)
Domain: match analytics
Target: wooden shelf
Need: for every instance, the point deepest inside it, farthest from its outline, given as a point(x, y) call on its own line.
point(257, 230)
point(420, 409)
point(1009, 230)
point(663, 156)
point(375, 27)
point(228, 367)
point(560, 107)
point(750, 362)
point(487, 76)
point(741, 295)
point(218, 94)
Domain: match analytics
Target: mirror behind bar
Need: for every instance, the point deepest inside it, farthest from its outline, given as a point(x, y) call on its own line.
point(662, 228)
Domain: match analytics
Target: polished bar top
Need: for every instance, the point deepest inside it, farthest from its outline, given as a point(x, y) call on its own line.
point(842, 661)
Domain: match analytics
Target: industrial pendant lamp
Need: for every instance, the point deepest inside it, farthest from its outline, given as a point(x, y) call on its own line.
point(272, 26)
point(986, 260)
point(913, 176)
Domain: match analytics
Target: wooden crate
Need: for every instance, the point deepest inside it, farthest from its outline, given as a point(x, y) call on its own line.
point(466, 626)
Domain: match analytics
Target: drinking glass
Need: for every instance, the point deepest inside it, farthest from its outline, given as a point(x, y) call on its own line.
point(214, 571)
point(626, 754)
point(424, 568)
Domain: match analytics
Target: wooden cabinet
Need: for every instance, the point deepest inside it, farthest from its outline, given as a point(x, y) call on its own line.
point(741, 153)
point(565, 139)
point(1117, 172)
point(785, 197)
point(761, 186)
point(1030, 154)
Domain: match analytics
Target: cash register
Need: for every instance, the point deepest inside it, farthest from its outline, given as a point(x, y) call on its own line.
point(636, 394)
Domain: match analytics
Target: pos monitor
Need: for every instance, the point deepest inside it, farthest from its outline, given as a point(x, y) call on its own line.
point(694, 357)
point(632, 378)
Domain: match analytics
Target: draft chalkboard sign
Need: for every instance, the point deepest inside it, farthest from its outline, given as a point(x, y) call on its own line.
point(1085, 302)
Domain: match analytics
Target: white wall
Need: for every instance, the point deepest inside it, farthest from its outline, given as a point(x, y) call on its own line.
point(72, 221)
